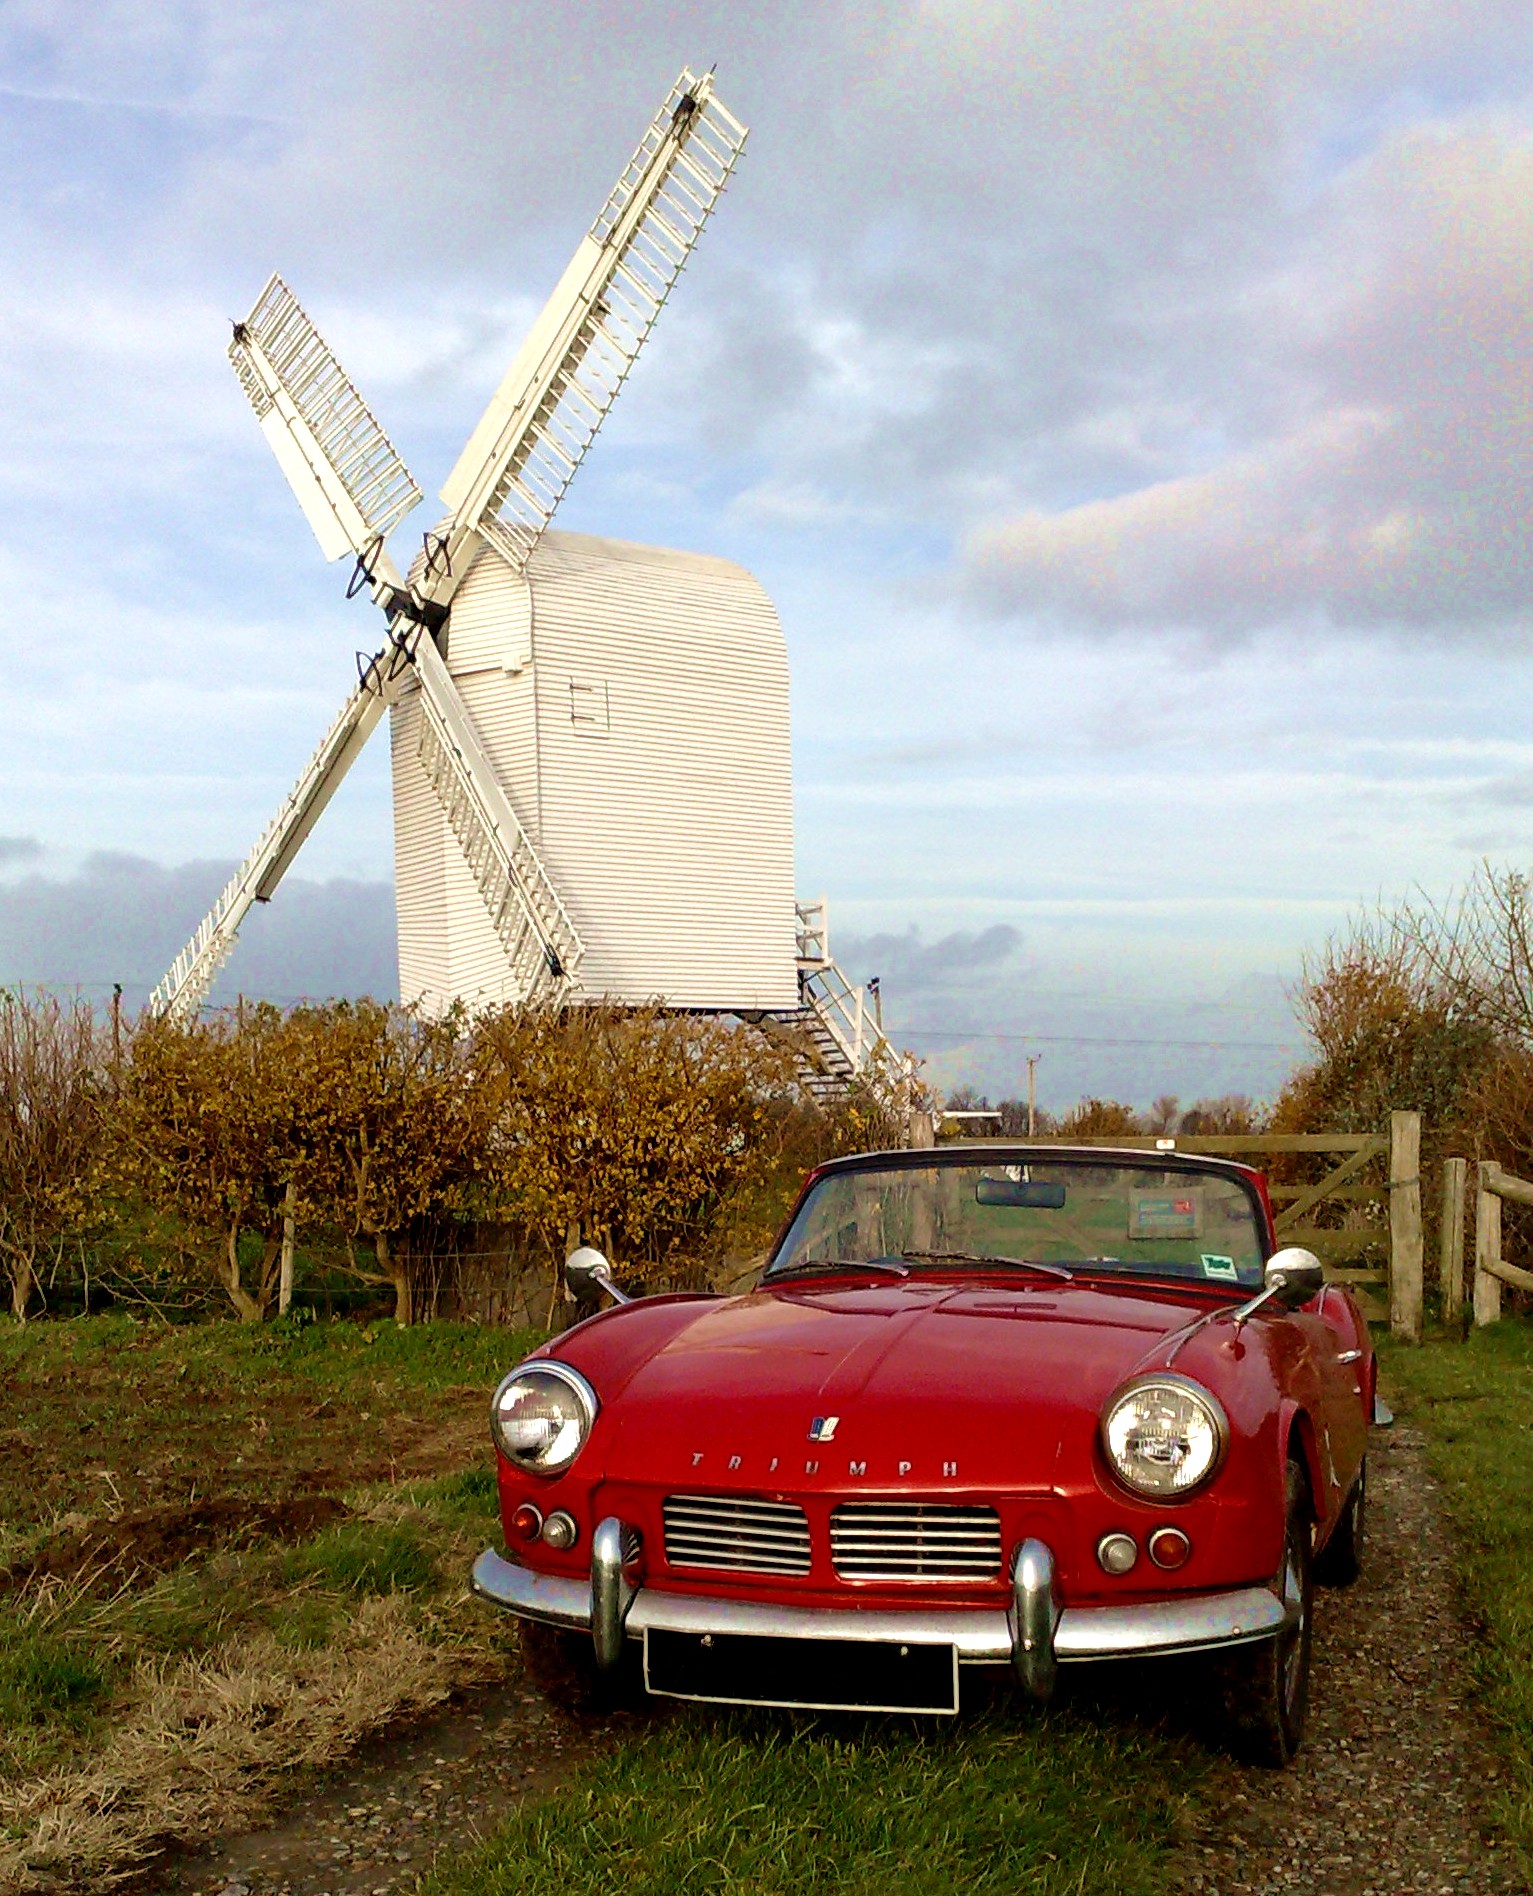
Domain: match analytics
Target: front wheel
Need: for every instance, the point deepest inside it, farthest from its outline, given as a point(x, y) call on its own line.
point(1266, 1685)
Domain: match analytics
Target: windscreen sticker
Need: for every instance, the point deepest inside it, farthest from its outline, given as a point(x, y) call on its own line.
point(1221, 1267)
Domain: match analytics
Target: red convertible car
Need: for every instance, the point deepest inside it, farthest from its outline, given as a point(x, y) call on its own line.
point(990, 1405)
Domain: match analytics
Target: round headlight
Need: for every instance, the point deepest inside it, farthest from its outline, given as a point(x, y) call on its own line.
point(1164, 1436)
point(541, 1415)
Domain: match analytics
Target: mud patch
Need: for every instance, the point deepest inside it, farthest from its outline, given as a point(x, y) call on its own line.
point(149, 1541)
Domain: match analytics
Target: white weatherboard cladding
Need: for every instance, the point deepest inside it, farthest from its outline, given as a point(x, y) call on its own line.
point(634, 704)
point(671, 831)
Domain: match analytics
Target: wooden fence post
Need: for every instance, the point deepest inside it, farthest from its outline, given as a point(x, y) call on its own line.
point(1487, 1247)
point(921, 1131)
point(1451, 1244)
point(289, 1241)
point(1405, 1247)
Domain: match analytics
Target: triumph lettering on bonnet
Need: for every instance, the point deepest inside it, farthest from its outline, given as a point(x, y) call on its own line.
point(902, 1469)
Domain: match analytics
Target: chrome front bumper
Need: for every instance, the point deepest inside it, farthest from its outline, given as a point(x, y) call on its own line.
point(1034, 1635)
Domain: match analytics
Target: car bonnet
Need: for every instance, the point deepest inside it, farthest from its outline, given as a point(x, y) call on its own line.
point(814, 1383)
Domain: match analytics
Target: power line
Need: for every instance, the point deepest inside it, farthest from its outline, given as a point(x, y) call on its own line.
point(1093, 997)
point(1090, 1040)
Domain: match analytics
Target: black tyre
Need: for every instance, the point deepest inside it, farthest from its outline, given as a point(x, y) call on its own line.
point(562, 1665)
point(1340, 1561)
point(1266, 1685)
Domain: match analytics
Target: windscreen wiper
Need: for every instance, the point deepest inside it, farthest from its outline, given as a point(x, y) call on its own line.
point(981, 1257)
point(885, 1266)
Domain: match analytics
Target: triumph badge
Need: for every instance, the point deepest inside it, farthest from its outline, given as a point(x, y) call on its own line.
point(823, 1428)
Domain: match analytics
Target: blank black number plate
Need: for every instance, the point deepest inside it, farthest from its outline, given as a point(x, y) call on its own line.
point(816, 1674)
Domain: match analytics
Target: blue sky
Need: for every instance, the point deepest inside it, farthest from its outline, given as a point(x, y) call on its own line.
point(1126, 404)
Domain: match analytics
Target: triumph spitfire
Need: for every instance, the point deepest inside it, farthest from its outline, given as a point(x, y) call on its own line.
point(998, 1406)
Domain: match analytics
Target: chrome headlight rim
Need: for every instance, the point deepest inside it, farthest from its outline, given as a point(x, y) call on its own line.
point(585, 1396)
point(1187, 1386)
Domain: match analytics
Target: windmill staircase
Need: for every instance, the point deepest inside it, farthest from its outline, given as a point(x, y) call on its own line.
point(839, 1028)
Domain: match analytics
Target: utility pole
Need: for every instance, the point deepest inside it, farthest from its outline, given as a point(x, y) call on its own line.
point(1032, 1094)
point(117, 1032)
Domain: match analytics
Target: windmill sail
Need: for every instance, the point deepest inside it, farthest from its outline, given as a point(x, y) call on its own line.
point(535, 432)
point(194, 970)
point(542, 944)
point(350, 482)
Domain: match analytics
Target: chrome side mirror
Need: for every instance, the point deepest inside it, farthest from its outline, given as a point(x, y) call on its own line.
point(587, 1274)
point(1293, 1276)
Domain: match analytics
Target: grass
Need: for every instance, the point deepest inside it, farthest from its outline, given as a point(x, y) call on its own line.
point(1474, 1400)
point(214, 1536)
point(704, 1802)
point(69, 1652)
point(43, 1679)
point(364, 1557)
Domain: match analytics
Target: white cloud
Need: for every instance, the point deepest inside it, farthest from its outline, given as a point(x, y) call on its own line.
point(1395, 493)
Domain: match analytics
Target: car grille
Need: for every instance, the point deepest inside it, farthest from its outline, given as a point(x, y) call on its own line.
point(735, 1532)
point(914, 1540)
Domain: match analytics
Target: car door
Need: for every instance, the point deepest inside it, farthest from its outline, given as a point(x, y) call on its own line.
point(1336, 1339)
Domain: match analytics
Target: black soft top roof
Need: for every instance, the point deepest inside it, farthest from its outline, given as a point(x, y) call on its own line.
point(1021, 1152)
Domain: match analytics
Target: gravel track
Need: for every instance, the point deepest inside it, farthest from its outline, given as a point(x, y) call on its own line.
point(1389, 1795)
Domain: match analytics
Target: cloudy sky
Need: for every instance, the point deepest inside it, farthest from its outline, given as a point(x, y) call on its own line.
point(1125, 401)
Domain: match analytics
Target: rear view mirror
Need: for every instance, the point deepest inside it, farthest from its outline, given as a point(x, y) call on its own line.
point(1294, 1275)
point(587, 1274)
point(1020, 1194)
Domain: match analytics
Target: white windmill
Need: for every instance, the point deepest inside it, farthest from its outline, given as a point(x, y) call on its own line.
point(592, 794)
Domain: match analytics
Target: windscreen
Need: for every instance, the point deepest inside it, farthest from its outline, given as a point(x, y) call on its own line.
point(1132, 1217)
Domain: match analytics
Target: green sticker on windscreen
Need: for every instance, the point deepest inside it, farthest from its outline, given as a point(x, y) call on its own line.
point(1223, 1268)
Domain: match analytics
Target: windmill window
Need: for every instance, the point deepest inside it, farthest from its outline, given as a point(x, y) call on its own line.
point(590, 709)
